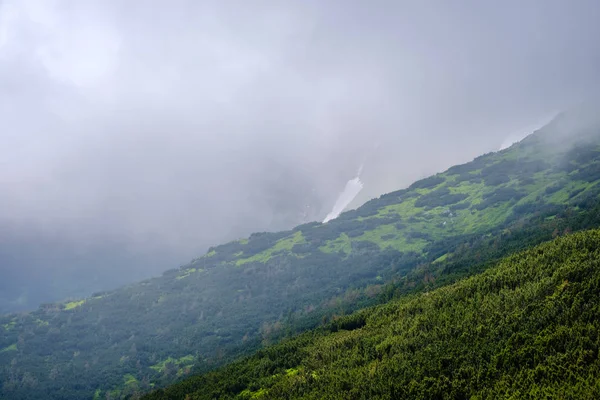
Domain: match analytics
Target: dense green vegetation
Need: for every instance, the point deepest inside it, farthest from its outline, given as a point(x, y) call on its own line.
point(242, 295)
point(527, 328)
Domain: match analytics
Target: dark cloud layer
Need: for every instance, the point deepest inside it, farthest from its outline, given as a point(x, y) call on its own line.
point(159, 129)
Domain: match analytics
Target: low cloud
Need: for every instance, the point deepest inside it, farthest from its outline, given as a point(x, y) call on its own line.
point(167, 129)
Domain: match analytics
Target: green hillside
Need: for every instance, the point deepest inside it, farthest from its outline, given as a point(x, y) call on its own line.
point(527, 328)
point(244, 294)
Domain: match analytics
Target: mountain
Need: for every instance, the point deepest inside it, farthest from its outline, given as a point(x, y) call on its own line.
point(252, 292)
point(526, 328)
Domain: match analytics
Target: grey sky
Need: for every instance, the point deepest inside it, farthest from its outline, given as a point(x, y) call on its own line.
point(177, 125)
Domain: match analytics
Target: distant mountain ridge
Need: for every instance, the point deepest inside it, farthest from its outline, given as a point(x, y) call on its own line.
point(253, 291)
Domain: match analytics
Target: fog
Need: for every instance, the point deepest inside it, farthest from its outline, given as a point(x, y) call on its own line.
point(136, 134)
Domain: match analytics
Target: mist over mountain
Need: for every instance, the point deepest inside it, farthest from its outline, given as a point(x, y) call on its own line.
point(137, 134)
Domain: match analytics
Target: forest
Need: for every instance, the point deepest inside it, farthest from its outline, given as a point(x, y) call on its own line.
point(525, 328)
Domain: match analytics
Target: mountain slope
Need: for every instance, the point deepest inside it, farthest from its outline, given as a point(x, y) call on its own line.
point(250, 292)
point(527, 328)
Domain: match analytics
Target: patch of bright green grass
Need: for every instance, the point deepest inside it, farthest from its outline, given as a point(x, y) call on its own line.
point(186, 360)
point(73, 304)
point(473, 190)
point(562, 196)
point(476, 220)
point(210, 254)
point(285, 244)
point(130, 380)
point(394, 239)
point(9, 326)
point(40, 322)
point(188, 272)
point(441, 258)
point(341, 243)
point(12, 347)
point(405, 209)
point(423, 191)
point(253, 395)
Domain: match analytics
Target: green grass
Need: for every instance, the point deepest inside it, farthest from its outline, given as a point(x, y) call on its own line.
point(40, 322)
point(440, 259)
point(210, 253)
point(534, 191)
point(474, 190)
point(130, 380)
point(12, 347)
point(341, 243)
point(9, 326)
point(188, 272)
point(252, 395)
point(398, 241)
point(405, 209)
point(73, 304)
point(285, 244)
point(478, 220)
point(183, 361)
point(562, 196)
